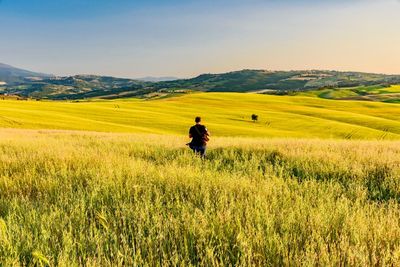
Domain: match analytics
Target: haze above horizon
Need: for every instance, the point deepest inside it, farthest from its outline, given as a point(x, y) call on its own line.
point(186, 38)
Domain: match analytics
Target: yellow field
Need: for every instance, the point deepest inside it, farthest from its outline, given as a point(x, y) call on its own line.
point(378, 93)
point(225, 114)
point(122, 189)
point(73, 199)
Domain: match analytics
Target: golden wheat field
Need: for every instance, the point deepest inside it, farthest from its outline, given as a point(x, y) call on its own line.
point(188, 133)
point(106, 199)
point(225, 114)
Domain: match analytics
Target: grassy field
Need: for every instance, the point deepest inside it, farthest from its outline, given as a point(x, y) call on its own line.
point(125, 191)
point(99, 199)
point(377, 93)
point(225, 114)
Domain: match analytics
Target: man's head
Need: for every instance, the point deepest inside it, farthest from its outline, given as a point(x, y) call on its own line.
point(197, 120)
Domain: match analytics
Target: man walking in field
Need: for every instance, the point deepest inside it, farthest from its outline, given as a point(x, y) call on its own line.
point(200, 137)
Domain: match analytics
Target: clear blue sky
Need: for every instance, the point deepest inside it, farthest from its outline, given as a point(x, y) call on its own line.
point(185, 38)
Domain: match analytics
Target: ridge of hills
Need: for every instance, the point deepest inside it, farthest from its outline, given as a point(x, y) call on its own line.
point(27, 84)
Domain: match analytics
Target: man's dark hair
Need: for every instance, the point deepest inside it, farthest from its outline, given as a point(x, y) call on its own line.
point(197, 120)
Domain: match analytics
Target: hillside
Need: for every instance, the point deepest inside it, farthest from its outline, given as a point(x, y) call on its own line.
point(226, 114)
point(261, 81)
point(379, 93)
point(10, 75)
point(78, 87)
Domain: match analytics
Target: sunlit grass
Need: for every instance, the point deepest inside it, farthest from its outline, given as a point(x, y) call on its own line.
point(73, 198)
point(225, 114)
point(377, 93)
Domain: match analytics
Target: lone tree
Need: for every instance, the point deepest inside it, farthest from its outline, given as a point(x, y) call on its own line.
point(254, 117)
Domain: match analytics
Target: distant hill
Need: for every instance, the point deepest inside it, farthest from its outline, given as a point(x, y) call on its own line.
point(29, 84)
point(377, 93)
point(11, 75)
point(157, 79)
point(261, 80)
point(80, 87)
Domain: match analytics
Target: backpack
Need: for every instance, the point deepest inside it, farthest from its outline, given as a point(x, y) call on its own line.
point(204, 136)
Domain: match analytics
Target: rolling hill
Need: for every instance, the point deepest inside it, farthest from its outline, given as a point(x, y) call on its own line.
point(12, 76)
point(41, 86)
point(226, 114)
point(267, 81)
point(380, 93)
point(78, 87)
